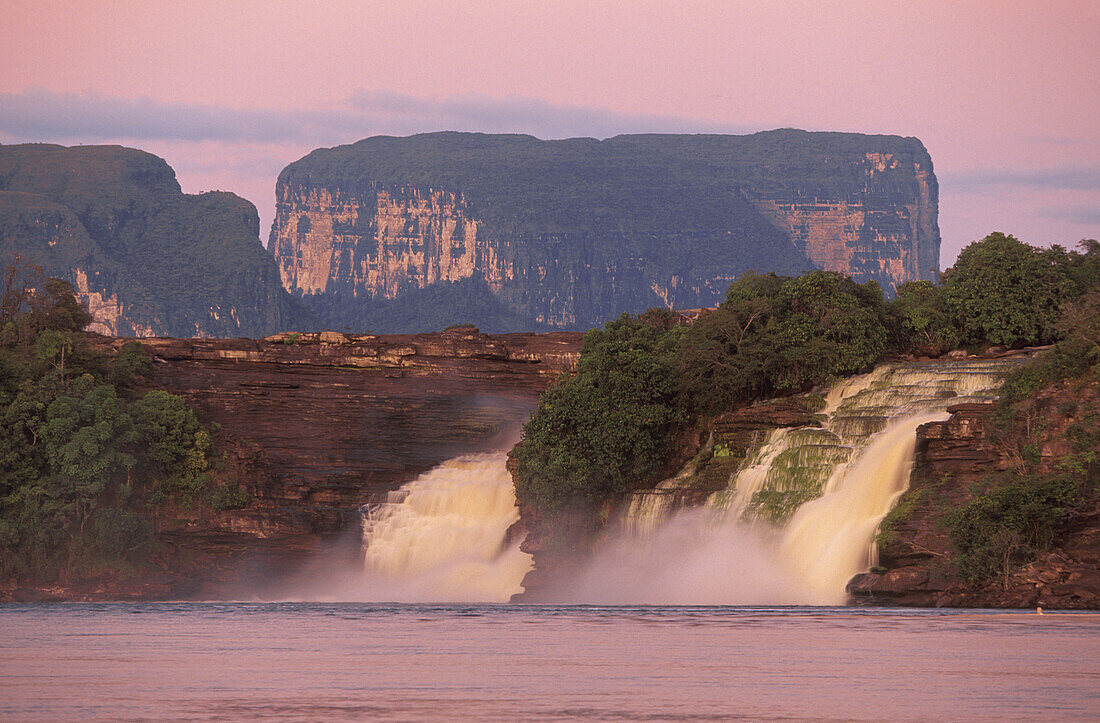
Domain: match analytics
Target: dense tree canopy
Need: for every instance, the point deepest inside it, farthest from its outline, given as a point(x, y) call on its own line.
point(85, 454)
point(1003, 291)
point(781, 335)
point(609, 427)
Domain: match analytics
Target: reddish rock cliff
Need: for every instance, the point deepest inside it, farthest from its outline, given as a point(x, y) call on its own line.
point(316, 425)
point(859, 235)
point(916, 565)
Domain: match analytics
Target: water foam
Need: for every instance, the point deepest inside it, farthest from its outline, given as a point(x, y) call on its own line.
point(443, 536)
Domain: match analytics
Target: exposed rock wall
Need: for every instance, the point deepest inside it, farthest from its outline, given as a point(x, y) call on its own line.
point(378, 242)
point(315, 425)
point(567, 234)
point(916, 567)
point(858, 236)
point(339, 421)
point(146, 258)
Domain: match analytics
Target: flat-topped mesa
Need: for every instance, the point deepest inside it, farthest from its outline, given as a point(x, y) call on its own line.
point(511, 232)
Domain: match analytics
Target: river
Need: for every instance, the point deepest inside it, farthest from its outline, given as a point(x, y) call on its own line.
point(308, 661)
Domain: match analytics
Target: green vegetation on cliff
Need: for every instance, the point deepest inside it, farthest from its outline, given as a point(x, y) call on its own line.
point(610, 427)
point(1000, 291)
point(87, 455)
point(645, 383)
point(1048, 424)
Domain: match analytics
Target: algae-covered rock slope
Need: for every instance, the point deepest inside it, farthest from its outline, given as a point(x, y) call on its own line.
point(145, 257)
point(511, 232)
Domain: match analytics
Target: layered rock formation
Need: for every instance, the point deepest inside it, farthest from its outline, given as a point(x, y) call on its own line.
point(146, 258)
point(568, 234)
point(342, 418)
point(316, 425)
point(916, 564)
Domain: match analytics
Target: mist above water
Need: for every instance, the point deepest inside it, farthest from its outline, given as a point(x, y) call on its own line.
point(690, 559)
point(708, 556)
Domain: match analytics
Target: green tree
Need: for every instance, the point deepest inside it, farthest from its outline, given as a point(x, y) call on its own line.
point(920, 320)
point(1008, 525)
point(87, 436)
point(832, 327)
point(780, 335)
point(174, 443)
point(1002, 291)
point(76, 449)
point(607, 428)
point(131, 364)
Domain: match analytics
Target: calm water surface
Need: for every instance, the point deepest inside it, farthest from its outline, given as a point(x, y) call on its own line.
point(409, 662)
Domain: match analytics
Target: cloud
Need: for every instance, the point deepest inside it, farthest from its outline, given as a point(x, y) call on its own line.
point(40, 114)
point(1084, 215)
point(43, 115)
point(1067, 178)
point(516, 114)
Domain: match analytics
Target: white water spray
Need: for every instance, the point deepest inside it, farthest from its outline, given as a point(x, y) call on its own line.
point(443, 536)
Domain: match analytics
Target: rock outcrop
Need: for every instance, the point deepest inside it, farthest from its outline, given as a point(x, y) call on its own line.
point(342, 418)
point(315, 425)
point(567, 234)
point(916, 565)
point(146, 258)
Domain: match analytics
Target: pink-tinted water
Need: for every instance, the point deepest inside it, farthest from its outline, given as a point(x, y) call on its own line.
point(354, 661)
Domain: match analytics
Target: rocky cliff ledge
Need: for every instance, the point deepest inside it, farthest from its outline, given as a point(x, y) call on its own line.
point(318, 424)
point(916, 566)
point(568, 234)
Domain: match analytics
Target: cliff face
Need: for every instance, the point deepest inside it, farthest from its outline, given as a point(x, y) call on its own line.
point(145, 257)
point(343, 418)
point(567, 234)
point(315, 426)
point(859, 236)
point(423, 238)
point(916, 563)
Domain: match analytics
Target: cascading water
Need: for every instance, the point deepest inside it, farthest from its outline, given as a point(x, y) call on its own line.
point(443, 536)
point(803, 509)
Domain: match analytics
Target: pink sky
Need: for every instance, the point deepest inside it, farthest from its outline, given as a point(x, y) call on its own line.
point(1004, 95)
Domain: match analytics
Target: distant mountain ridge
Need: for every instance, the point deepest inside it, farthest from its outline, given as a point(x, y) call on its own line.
point(148, 259)
point(507, 232)
point(510, 232)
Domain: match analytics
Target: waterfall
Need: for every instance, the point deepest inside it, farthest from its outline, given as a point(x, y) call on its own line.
point(829, 539)
point(795, 523)
point(805, 505)
point(443, 536)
